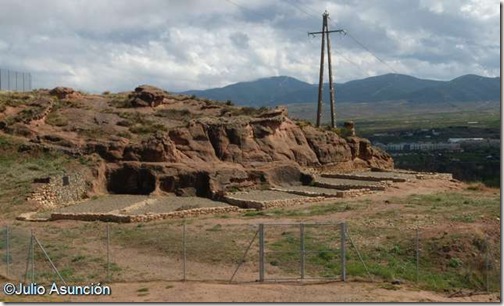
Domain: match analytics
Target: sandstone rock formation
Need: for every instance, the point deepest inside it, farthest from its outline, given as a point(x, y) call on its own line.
point(65, 93)
point(212, 155)
point(147, 95)
point(180, 144)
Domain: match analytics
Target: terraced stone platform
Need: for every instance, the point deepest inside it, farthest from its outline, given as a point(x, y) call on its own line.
point(264, 199)
point(313, 191)
point(380, 176)
point(135, 208)
point(347, 184)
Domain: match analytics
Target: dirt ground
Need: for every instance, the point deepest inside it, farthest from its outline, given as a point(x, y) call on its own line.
point(354, 290)
point(326, 292)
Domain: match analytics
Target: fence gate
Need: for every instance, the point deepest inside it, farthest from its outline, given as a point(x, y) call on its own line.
point(302, 251)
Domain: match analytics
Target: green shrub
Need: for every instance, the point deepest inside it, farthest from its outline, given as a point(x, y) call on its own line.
point(56, 119)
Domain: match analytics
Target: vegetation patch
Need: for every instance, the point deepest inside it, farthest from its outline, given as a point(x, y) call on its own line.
point(140, 124)
point(56, 119)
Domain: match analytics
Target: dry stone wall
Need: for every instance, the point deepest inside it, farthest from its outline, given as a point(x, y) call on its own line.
point(60, 190)
point(261, 205)
point(119, 218)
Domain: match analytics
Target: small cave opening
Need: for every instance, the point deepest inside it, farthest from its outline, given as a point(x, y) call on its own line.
point(187, 184)
point(129, 180)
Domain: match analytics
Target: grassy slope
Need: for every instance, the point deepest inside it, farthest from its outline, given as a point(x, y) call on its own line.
point(18, 171)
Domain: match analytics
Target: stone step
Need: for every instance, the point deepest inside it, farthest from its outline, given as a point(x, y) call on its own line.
point(312, 191)
point(348, 184)
point(368, 176)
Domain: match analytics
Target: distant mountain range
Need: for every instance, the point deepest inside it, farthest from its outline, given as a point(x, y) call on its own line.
point(389, 87)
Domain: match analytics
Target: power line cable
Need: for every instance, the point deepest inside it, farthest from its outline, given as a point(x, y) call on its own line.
point(262, 16)
point(310, 9)
point(298, 6)
point(352, 62)
point(367, 49)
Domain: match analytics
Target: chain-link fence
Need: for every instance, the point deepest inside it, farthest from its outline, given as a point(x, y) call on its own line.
point(15, 81)
point(301, 251)
point(229, 251)
point(439, 261)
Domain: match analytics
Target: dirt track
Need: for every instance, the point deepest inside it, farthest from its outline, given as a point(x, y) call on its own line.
point(328, 292)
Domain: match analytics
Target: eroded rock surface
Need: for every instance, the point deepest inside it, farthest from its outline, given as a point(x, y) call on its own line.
point(147, 95)
point(212, 155)
point(65, 93)
point(149, 141)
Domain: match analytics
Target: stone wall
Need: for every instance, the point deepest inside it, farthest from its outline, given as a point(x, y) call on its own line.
point(110, 217)
point(59, 190)
point(261, 205)
point(338, 194)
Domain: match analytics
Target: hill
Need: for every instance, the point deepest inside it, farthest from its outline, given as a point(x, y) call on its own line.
point(388, 87)
point(160, 153)
point(262, 92)
point(150, 141)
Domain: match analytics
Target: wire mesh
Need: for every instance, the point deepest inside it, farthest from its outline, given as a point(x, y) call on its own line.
point(15, 80)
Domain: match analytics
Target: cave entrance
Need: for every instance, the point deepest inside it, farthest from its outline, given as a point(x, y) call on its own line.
point(130, 180)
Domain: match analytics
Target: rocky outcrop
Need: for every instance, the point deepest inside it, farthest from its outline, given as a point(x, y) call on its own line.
point(211, 180)
point(373, 156)
point(207, 155)
point(65, 93)
point(147, 96)
point(210, 156)
point(246, 141)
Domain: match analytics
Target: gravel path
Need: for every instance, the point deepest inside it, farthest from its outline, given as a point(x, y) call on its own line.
point(385, 175)
point(265, 195)
point(313, 189)
point(104, 204)
point(168, 204)
point(145, 204)
point(346, 182)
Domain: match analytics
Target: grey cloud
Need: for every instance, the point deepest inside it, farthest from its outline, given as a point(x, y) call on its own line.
point(240, 40)
point(99, 45)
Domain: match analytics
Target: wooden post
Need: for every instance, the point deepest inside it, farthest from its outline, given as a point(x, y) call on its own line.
point(321, 75)
point(325, 32)
point(331, 85)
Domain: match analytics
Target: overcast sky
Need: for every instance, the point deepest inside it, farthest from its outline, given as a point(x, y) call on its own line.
point(116, 45)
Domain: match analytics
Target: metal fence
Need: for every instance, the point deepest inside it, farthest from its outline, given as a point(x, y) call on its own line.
point(15, 81)
point(294, 251)
point(244, 252)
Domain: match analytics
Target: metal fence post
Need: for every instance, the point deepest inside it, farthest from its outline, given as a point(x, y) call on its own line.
point(417, 254)
point(261, 252)
point(302, 250)
point(184, 250)
point(343, 250)
point(487, 265)
point(108, 251)
point(32, 246)
point(7, 250)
